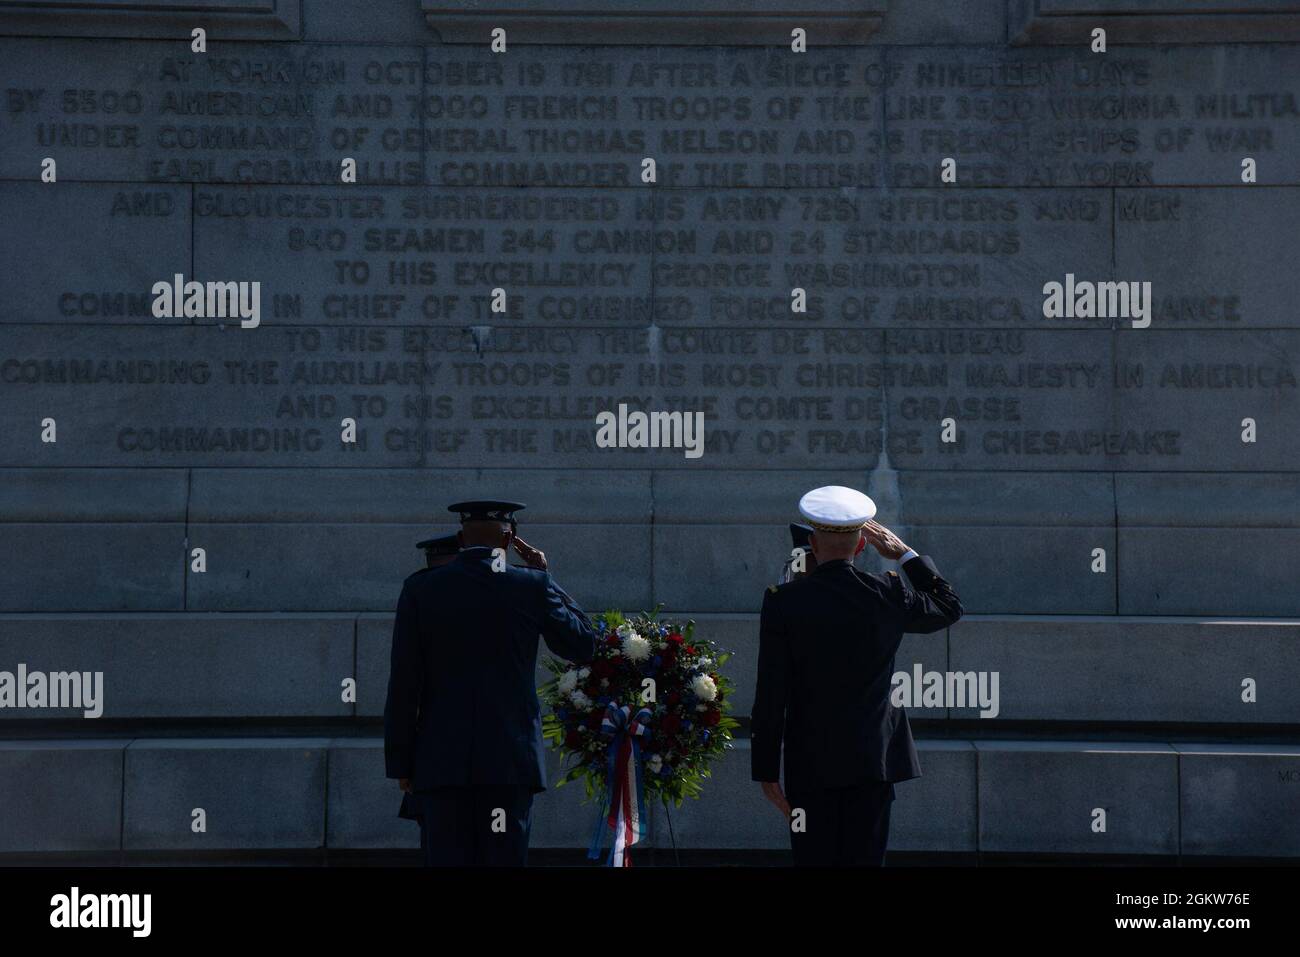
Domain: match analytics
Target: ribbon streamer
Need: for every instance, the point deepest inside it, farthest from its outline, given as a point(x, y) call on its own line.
point(623, 808)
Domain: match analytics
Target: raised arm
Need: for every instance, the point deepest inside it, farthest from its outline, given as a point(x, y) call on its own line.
point(926, 601)
point(565, 627)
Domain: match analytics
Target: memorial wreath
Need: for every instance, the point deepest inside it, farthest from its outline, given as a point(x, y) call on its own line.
point(644, 718)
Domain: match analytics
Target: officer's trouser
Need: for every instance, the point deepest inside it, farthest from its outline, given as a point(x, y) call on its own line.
point(475, 826)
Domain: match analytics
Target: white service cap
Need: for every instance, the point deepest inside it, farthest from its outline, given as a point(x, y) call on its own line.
point(834, 508)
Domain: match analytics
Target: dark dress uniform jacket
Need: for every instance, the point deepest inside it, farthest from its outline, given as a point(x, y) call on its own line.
point(462, 705)
point(825, 663)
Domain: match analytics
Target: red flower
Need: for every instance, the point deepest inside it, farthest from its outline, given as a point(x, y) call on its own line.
point(602, 668)
point(690, 649)
point(672, 697)
point(675, 638)
point(573, 740)
point(594, 719)
point(712, 717)
point(611, 639)
point(668, 657)
point(670, 723)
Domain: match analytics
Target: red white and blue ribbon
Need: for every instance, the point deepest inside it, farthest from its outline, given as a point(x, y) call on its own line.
point(623, 809)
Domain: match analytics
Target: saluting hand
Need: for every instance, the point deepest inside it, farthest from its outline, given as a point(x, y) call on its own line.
point(533, 557)
point(884, 541)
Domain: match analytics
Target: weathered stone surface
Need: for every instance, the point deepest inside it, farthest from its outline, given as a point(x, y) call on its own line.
point(1245, 500)
point(122, 239)
point(361, 567)
point(1230, 271)
point(937, 812)
point(61, 796)
point(1152, 21)
point(1042, 796)
point(1068, 117)
point(180, 666)
point(221, 19)
point(261, 794)
point(433, 257)
point(241, 113)
point(412, 496)
point(934, 259)
point(1240, 799)
point(116, 567)
point(1107, 669)
point(1175, 571)
point(708, 22)
point(1201, 386)
point(92, 495)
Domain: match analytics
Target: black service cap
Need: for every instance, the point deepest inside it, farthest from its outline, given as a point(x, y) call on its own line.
point(799, 535)
point(487, 510)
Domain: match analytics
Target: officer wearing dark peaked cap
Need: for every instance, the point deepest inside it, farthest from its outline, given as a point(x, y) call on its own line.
point(827, 643)
point(462, 724)
point(439, 551)
point(800, 536)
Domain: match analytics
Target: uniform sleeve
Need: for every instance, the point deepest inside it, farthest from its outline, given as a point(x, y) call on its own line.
point(767, 725)
point(406, 671)
point(565, 627)
point(929, 602)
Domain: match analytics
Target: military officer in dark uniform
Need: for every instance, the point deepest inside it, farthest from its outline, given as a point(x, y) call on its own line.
point(825, 664)
point(439, 551)
point(462, 724)
point(800, 554)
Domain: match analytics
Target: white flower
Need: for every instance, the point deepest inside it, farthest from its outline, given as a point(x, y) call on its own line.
point(568, 681)
point(580, 700)
point(636, 648)
point(704, 687)
point(705, 664)
point(626, 631)
point(701, 707)
point(655, 763)
point(583, 673)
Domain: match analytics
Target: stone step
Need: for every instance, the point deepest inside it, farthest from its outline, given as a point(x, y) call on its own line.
point(272, 536)
point(989, 796)
point(1050, 669)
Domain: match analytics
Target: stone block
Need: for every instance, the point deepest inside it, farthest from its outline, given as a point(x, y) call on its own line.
point(42, 495)
point(1240, 800)
point(186, 666)
point(61, 796)
point(257, 794)
point(101, 567)
point(1181, 571)
point(1100, 670)
point(1044, 796)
